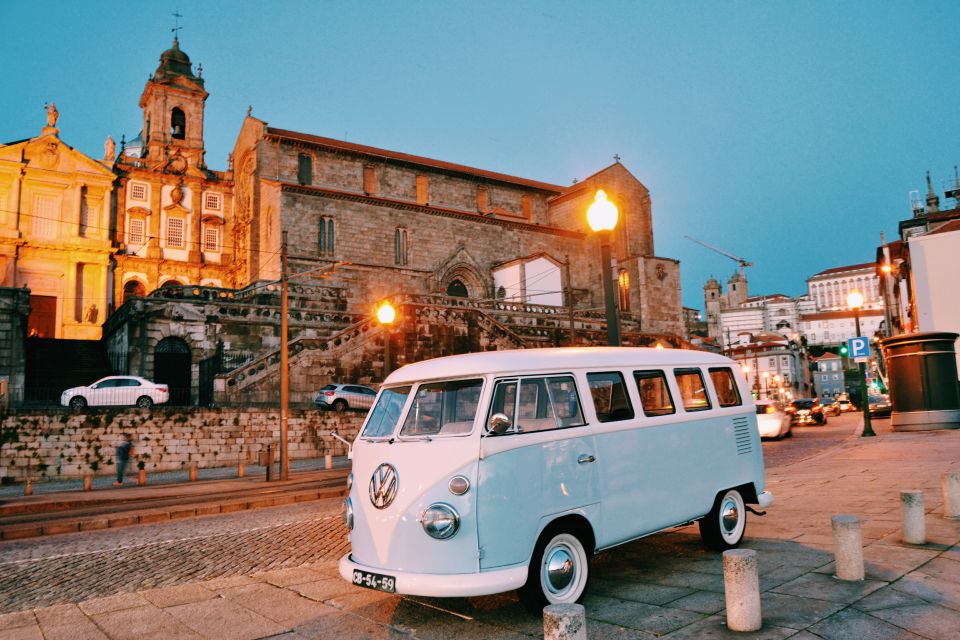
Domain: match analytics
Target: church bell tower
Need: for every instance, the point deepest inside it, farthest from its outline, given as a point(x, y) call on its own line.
point(173, 103)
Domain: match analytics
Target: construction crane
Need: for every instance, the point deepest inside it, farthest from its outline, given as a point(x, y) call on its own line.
point(740, 261)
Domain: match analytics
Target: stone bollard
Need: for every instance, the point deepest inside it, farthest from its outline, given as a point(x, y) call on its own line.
point(950, 485)
point(88, 482)
point(564, 622)
point(241, 469)
point(142, 478)
point(914, 525)
point(741, 589)
point(849, 547)
point(193, 472)
point(28, 487)
point(328, 461)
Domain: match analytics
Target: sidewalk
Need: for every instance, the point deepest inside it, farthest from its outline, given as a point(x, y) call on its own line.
point(665, 585)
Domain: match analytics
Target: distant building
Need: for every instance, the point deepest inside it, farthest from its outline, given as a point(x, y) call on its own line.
point(775, 366)
point(828, 377)
point(918, 272)
point(716, 301)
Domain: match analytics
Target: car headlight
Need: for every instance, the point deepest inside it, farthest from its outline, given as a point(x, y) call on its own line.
point(347, 513)
point(440, 521)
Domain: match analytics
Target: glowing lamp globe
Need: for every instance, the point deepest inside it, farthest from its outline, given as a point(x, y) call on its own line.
point(855, 299)
point(386, 313)
point(602, 214)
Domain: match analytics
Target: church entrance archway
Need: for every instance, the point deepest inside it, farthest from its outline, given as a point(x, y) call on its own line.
point(171, 366)
point(457, 289)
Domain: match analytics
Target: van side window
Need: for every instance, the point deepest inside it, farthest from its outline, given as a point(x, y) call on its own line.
point(538, 404)
point(692, 389)
point(725, 386)
point(610, 397)
point(654, 393)
point(443, 408)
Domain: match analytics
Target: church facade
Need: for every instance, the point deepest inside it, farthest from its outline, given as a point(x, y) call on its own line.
point(172, 262)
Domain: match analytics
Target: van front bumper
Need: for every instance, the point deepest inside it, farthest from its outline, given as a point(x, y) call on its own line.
point(444, 585)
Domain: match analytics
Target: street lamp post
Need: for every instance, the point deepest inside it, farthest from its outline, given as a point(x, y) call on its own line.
point(855, 301)
point(602, 217)
point(386, 314)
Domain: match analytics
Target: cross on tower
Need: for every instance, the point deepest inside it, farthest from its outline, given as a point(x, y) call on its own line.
point(176, 24)
point(616, 157)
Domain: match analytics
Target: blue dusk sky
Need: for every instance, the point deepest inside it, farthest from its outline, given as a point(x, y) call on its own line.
point(788, 133)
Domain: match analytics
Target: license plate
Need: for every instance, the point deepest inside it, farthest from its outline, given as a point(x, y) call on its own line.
point(374, 581)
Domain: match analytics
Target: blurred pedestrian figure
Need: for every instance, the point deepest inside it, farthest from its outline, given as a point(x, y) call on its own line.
point(124, 453)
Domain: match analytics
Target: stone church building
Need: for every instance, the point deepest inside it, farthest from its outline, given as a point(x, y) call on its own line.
point(185, 259)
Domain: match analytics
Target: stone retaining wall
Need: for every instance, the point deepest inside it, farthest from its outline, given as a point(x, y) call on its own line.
point(61, 445)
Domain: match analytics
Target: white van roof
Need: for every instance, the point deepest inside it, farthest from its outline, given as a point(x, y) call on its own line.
point(559, 359)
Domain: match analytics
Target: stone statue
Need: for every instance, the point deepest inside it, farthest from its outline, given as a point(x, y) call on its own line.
point(249, 110)
point(52, 114)
point(109, 149)
point(92, 314)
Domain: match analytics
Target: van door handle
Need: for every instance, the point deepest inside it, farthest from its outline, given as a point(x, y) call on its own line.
point(583, 459)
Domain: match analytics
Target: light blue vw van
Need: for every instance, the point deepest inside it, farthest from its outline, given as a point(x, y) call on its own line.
point(488, 472)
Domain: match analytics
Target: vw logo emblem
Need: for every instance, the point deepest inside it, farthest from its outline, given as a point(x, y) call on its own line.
point(383, 485)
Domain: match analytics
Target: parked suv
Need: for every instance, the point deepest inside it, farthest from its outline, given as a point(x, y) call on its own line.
point(341, 397)
point(807, 411)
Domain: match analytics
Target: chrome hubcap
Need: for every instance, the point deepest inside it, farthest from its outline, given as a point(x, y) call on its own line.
point(729, 516)
point(559, 569)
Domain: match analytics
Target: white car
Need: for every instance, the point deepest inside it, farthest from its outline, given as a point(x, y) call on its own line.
point(116, 391)
point(772, 420)
point(341, 397)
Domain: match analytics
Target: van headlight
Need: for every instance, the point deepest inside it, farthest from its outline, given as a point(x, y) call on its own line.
point(347, 513)
point(440, 521)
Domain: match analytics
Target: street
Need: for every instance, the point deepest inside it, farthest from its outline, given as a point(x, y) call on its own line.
point(74, 567)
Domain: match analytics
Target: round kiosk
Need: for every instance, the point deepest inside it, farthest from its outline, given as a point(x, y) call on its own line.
point(922, 379)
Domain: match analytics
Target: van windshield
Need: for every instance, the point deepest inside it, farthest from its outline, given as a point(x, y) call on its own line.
point(443, 408)
point(383, 419)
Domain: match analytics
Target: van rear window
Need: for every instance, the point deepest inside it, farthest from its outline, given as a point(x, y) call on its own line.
point(693, 391)
point(610, 399)
point(654, 393)
point(726, 386)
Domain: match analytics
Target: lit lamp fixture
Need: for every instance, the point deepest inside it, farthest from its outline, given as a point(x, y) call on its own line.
point(855, 302)
point(602, 217)
point(386, 314)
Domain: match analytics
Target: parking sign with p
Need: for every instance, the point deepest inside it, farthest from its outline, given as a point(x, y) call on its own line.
point(859, 347)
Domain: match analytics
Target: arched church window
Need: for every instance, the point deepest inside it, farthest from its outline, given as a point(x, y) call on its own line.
point(501, 292)
point(178, 124)
point(457, 289)
point(304, 169)
point(133, 289)
point(623, 280)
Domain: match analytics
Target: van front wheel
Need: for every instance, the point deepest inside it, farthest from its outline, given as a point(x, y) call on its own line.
point(724, 526)
point(558, 573)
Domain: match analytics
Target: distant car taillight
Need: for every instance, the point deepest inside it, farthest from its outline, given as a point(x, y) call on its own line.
point(162, 389)
point(790, 409)
point(769, 409)
point(329, 394)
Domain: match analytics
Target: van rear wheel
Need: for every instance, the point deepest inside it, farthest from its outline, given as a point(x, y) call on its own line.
point(558, 573)
point(724, 526)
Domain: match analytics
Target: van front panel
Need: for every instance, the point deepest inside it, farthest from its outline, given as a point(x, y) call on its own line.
point(392, 538)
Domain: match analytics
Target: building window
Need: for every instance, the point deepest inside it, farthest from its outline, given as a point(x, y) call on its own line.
point(138, 191)
point(623, 280)
point(137, 232)
point(482, 199)
point(400, 246)
point(836, 376)
point(370, 180)
point(178, 124)
point(773, 363)
point(423, 190)
point(85, 218)
point(304, 169)
point(325, 236)
point(175, 233)
point(212, 201)
point(526, 206)
point(825, 377)
point(133, 289)
point(211, 238)
point(46, 215)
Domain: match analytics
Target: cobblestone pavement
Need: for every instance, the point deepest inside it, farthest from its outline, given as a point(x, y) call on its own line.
point(79, 566)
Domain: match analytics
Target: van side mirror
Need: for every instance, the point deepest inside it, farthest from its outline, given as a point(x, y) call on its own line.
point(499, 424)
